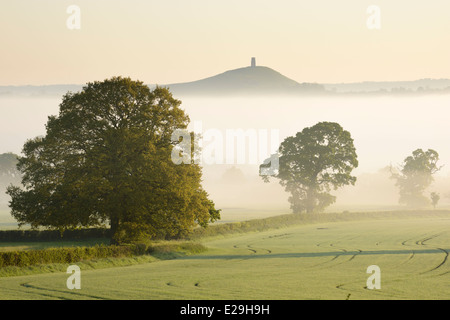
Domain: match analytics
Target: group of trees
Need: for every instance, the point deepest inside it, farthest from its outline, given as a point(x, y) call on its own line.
point(322, 157)
point(106, 159)
point(415, 176)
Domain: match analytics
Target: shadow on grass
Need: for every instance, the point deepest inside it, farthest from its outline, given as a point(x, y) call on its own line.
point(314, 254)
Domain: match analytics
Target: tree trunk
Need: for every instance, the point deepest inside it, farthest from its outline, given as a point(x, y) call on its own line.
point(310, 200)
point(114, 231)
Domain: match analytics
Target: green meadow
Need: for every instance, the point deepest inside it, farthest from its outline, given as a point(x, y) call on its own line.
point(312, 260)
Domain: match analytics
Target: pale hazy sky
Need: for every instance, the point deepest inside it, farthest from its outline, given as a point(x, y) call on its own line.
point(172, 41)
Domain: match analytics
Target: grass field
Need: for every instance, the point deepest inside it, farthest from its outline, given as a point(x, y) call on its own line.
point(322, 260)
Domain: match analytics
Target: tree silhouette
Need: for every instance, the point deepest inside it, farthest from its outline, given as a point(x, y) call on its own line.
point(415, 175)
point(313, 162)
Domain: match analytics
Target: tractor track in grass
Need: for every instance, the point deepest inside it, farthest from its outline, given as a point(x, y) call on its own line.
point(279, 236)
point(344, 251)
point(444, 260)
point(53, 293)
point(252, 249)
point(320, 245)
point(353, 257)
point(422, 242)
point(411, 256)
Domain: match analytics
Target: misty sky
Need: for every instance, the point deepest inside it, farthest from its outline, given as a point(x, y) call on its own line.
point(176, 41)
point(184, 40)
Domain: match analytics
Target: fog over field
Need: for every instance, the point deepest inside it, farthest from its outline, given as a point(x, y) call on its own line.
point(385, 130)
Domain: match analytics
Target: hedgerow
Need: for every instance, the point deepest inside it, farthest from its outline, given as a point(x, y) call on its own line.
point(53, 235)
point(64, 255)
point(286, 220)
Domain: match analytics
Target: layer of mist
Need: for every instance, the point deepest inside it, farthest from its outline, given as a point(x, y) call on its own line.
point(385, 131)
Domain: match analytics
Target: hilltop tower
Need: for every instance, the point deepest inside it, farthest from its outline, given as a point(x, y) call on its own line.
point(253, 62)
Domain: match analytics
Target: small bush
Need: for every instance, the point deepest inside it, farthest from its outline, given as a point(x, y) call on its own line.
point(175, 248)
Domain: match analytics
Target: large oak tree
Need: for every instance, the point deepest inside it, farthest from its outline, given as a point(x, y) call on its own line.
point(314, 161)
point(106, 159)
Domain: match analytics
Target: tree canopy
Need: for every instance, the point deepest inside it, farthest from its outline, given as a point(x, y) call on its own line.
point(8, 165)
point(106, 158)
point(313, 162)
point(415, 176)
point(8, 174)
